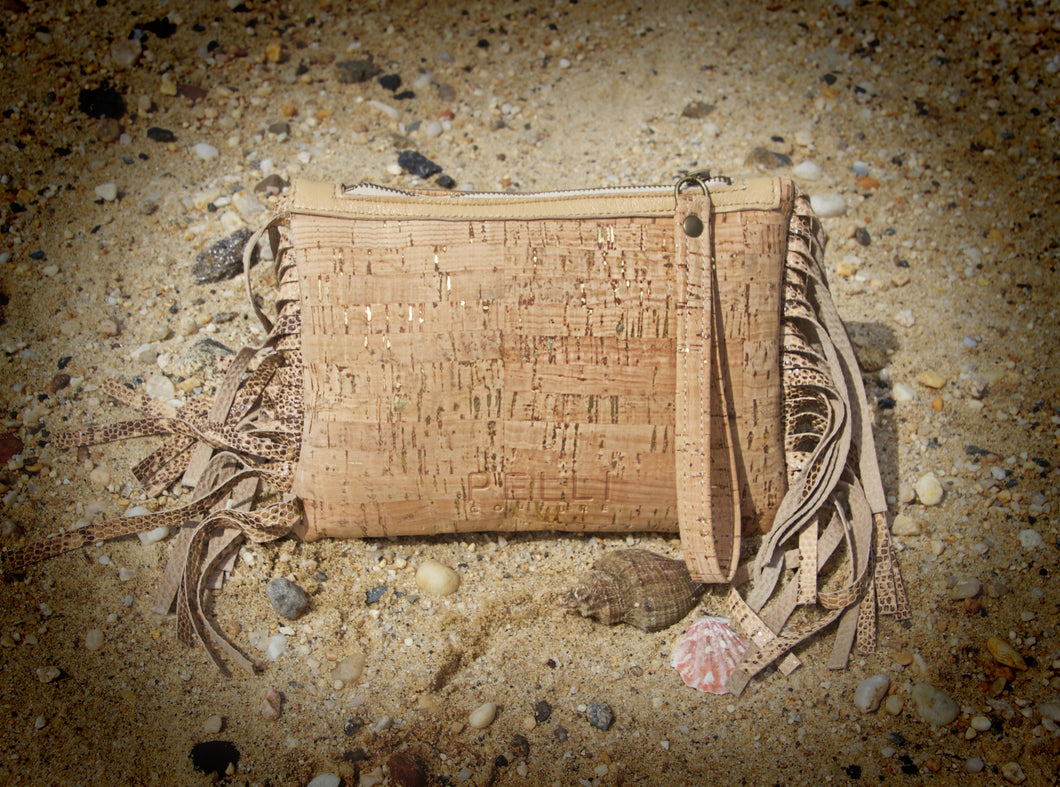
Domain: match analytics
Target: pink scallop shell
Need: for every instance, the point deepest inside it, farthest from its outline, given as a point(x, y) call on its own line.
point(708, 653)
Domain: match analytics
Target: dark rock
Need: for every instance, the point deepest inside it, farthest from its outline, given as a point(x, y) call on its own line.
point(271, 184)
point(406, 771)
point(223, 260)
point(417, 164)
point(697, 110)
point(373, 595)
point(215, 757)
point(404, 95)
point(162, 28)
point(767, 159)
point(390, 81)
point(861, 235)
point(542, 711)
point(353, 71)
point(101, 102)
point(280, 128)
point(156, 134)
point(520, 747)
point(445, 92)
point(9, 446)
point(193, 92)
point(352, 726)
point(58, 382)
point(445, 182)
point(560, 733)
point(600, 715)
point(286, 597)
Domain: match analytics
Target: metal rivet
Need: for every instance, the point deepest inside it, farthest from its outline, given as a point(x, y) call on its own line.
point(692, 226)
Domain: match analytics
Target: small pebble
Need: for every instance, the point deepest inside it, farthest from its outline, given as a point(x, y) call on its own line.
point(349, 669)
point(405, 770)
point(893, 705)
point(928, 489)
point(973, 765)
point(1005, 653)
point(965, 588)
point(1050, 709)
point(325, 780)
point(206, 151)
point(870, 692)
point(931, 379)
point(828, 205)
point(980, 723)
point(1013, 773)
point(1030, 539)
point(160, 388)
point(600, 715)
point(432, 128)
point(373, 595)
point(154, 535)
point(275, 647)
point(437, 578)
point(417, 164)
point(482, 716)
point(806, 170)
point(125, 51)
point(271, 705)
point(108, 192)
point(542, 711)
point(213, 725)
point(48, 674)
point(156, 134)
point(93, 639)
point(903, 393)
point(904, 525)
point(934, 706)
point(905, 318)
point(223, 260)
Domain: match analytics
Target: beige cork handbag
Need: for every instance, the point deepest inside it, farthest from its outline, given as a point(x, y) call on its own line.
point(620, 360)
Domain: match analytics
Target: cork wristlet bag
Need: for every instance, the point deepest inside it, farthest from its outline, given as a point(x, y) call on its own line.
point(621, 360)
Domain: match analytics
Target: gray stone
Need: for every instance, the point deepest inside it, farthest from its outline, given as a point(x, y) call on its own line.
point(223, 260)
point(934, 706)
point(286, 597)
point(600, 715)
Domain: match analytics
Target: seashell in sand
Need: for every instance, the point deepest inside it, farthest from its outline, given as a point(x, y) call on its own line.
point(708, 653)
point(635, 586)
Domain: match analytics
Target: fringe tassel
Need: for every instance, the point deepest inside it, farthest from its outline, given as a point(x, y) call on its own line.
point(835, 507)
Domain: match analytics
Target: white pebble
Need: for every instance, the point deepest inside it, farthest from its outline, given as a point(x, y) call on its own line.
point(870, 693)
point(934, 706)
point(93, 639)
point(903, 392)
point(1030, 539)
point(48, 674)
point(99, 477)
point(806, 170)
point(905, 318)
point(153, 536)
point(482, 716)
point(904, 525)
point(893, 705)
point(213, 725)
point(372, 778)
point(437, 578)
point(980, 723)
point(825, 205)
point(125, 574)
point(160, 388)
point(325, 780)
point(277, 647)
point(206, 151)
point(432, 128)
point(928, 489)
point(973, 765)
point(107, 191)
point(349, 670)
point(965, 588)
point(386, 109)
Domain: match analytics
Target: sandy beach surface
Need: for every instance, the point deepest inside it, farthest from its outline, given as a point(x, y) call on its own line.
point(133, 140)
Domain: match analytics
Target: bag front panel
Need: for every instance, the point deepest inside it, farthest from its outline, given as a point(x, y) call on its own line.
point(478, 375)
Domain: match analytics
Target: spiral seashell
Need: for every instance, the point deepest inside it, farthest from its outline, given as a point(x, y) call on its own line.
point(637, 587)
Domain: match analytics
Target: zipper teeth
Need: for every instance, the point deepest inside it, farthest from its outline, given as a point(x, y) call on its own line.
point(373, 189)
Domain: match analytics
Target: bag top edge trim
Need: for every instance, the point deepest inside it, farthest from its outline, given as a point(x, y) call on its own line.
point(319, 198)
